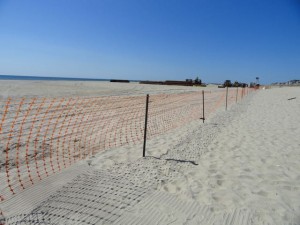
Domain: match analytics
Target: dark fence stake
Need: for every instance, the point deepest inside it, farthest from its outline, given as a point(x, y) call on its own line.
point(145, 129)
point(203, 118)
point(226, 96)
point(237, 93)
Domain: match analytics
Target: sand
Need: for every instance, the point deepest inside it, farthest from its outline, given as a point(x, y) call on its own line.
point(86, 88)
point(240, 167)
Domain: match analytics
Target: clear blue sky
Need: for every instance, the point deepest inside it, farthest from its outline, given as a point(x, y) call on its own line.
point(151, 39)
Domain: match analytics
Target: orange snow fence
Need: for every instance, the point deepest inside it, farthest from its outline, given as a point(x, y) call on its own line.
point(42, 136)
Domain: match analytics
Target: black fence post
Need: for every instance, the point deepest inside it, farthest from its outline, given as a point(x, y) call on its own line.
point(145, 129)
point(226, 97)
point(203, 117)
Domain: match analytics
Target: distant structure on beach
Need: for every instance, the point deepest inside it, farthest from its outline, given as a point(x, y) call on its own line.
point(288, 83)
point(187, 82)
point(119, 81)
point(228, 83)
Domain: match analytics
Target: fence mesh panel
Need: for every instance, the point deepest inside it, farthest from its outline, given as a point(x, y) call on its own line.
point(41, 136)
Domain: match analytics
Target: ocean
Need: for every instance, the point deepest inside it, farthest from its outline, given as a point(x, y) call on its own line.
point(15, 77)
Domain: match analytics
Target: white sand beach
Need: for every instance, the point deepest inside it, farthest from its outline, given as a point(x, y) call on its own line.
point(16, 88)
point(239, 167)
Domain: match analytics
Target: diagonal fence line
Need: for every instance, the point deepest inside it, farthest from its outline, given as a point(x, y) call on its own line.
point(42, 136)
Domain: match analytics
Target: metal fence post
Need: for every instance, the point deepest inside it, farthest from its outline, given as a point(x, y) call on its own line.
point(146, 121)
point(203, 117)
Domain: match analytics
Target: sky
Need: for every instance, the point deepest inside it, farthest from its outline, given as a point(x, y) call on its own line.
point(152, 39)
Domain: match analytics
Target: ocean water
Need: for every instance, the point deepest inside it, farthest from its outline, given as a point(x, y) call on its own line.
point(15, 77)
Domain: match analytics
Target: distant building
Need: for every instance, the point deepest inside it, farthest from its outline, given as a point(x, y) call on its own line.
point(294, 82)
point(288, 83)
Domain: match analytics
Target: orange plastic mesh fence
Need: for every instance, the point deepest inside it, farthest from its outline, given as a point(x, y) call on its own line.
point(42, 136)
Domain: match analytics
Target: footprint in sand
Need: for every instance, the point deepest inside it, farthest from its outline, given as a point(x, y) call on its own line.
point(261, 193)
point(220, 182)
point(212, 171)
